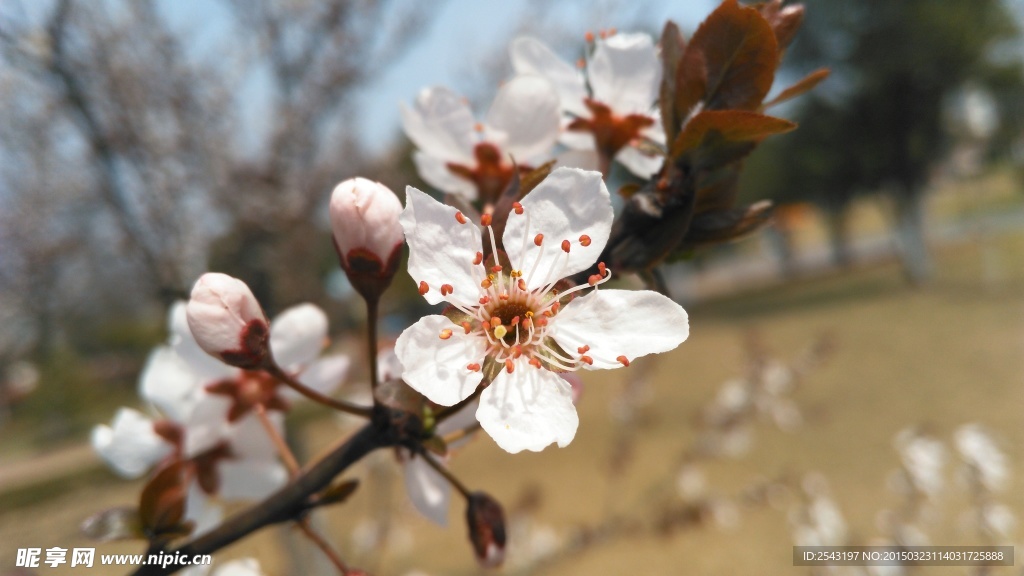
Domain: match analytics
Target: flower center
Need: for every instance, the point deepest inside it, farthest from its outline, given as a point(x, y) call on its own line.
point(611, 131)
point(492, 172)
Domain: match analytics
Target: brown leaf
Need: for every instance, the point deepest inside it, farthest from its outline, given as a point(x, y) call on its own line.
point(672, 47)
point(716, 137)
point(784, 21)
point(338, 493)
point(740, 54)
point(162, 502)
point(803, 85)
point(718, 189)
point(725, 225)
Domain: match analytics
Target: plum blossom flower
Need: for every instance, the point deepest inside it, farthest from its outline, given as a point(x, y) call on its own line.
point(367, 236)
point(515, 319)
point(983, 456)
point(227, 321)
point(474, 160)
point(624, 77)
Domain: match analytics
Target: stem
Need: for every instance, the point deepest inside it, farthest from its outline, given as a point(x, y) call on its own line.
point(289, 502)
point(443, 471)
point(340, 405)
point(282, 447)
point(323, 546)
point(372, 306)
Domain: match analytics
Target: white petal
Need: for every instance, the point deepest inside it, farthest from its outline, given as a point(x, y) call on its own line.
point(625, 73)
point(429, 492)
point(240, 567)
point(436, 173)
point(388, 365)
point(567, 205)
point(206, 368)
point(324, 375)
point(206, 424)
point(169, 383)
point(526, 112)
point(199, 509)
point(441, 251)
point(639, 163)
point(630, 323)
point(249, 439)
point(461, 419)
point(440, 123)
point(250, 479)
point(297, 335)
point(129, 445)
point(528, 409)
point(531, 56)
point(436, 368)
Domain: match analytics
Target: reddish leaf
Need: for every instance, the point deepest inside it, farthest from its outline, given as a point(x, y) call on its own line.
point(784, 21)
point(718, 189)
point(803, 85)
point(739, 53)
point(672, 47)
point(725, 225)
point(162, 502)
point(717, 137)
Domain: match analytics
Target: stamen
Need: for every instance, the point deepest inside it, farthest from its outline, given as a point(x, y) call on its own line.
point(538, 239)
point(565, 246)
point(517, 207)
point(515, 321)
point(522, 285)
point(517, 351)
point(503, 296)
point(583, 349)
point(500, 331)
point(594, 279)
point(495, 321)
point(467, 327)
point(446, 289)
point(623, 360)
point(589, 36)
point(509, 366)
point(486, 283)
point(424, 288)
point(484, 300)
point(478, 127)
point(496, 268)
point(446, 334)
point(585, 240)
point(478, 258)
point(460, 217)
point(535, 363)
point(587, 360)
point(528, 322)
point(473, 367)
point(485, 220)
point(602, 268)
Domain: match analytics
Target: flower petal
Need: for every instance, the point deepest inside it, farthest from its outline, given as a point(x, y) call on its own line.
point(440, 123)
point(625, 73)
point(199, 509)
point(526, 114)
point(428, 491)
point(324, 375)
point(630, 323)
point(531, 56)
point(568, 204)
point(129, 445)
point(639, 163)
point(240, 567)
point(250, 479)
point(528, 409)
point(441, 251)
point(297, 335)
point(435, 172)
point(436, 368)
point(168, 382)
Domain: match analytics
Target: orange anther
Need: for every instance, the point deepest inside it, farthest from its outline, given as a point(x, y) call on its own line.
point(565, 246)
point(467, 327)
point(517, 352)
point(473, 367)
point(517, 207)
point(583, 349)
point(581, 63)
point(541, 321)
point(484, 300)
point(446, 289)
point(503, 296)
point(585, 240)
point(424, 288)
point(594, 279)
point(587, 360)
point(478, 258)
point(446, 334)
point(522, 284)
point(515, 321)
point(555, 306)
point(527, 323)
point(538, 239)
point(478, 127)
point(485, 220)
point(509, 366)
point(496, 269)
point(602, 269)
point(460, 217)
point(535, 362)
point(589, 36)
point(623, 360)
point(495, 321)
point(486, 283)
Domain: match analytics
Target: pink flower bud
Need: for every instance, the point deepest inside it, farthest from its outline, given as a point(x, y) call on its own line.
point(486, 522)
point(367, 235)
point(227, 321)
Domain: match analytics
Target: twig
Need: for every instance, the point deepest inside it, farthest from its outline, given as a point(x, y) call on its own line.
point(282, 447)
point(444, 471)
point(323, 546)
point(372, 307)
point(340, 405)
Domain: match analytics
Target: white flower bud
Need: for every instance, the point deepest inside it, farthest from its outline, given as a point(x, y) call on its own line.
point(227, 321)
point(364, 220)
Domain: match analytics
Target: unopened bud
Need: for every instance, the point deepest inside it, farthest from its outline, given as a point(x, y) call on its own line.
point(227, 321)
point(367, 235)
point(486, 522)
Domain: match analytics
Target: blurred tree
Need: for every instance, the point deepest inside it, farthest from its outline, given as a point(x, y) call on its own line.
point(128, 145)
point(877, 125)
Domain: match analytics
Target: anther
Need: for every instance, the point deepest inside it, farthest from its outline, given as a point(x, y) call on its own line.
point(478, 258)
point(473, 367)
point(500, 332)
point(515, 321)
point(541, 321)
point(503, 296)
point(495, 321)
point(587, 360)
point(602, 269)
point(581, 63)
point(603, 34)
point(446, 334)
point(467, 327)
point(460, 217)
point(484, 300)
point(446, 289)
point(509, 366)
point(517, 352)
point(583, 349)
point(555, 306)
point(517, 207)
point(496, 268)
point(594, 279)
point(485, 283)
point(522, 285)
point(623, 360)
point(585, 240)
point(538, 239)
point(589, 36)
point(485, 220)
point(424, 288)
point(529, 313)
point(527, 323)
point(478, 127)
point(565, 246)
point(535, 362)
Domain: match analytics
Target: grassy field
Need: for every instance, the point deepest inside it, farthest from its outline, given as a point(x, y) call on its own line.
point(942, 356)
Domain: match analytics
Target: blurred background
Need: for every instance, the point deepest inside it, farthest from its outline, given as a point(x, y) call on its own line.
point(144, 142)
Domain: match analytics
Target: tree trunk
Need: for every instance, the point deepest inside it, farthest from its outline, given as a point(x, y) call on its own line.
point(837, 222)
point(917, 262)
